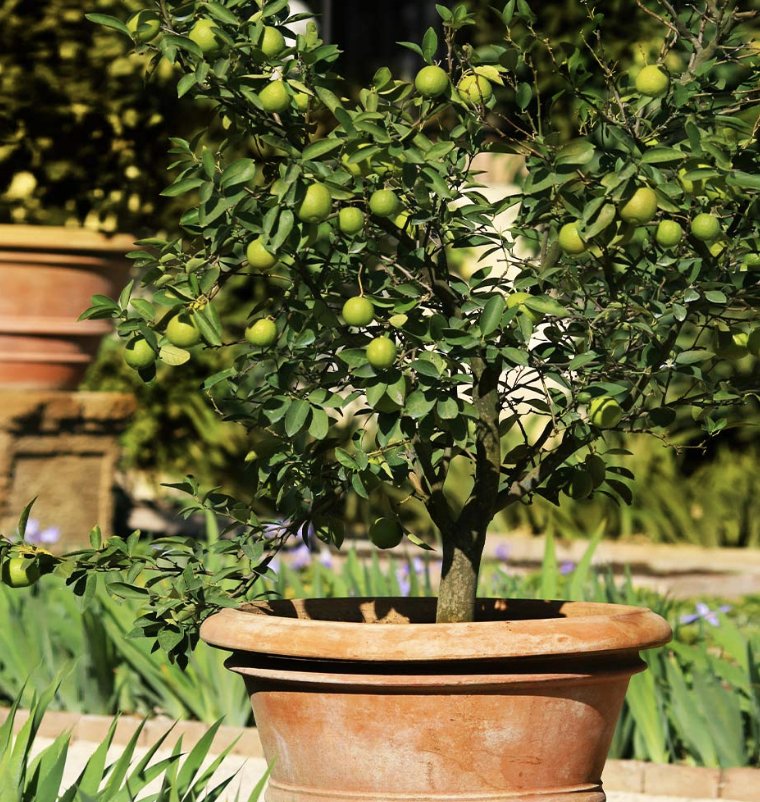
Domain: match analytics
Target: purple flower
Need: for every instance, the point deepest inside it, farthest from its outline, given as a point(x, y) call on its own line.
point(418, 566)
point(502, 552)
point(325, 558)
point(402, 577)
point(567, 567)
point(300, 557)
point(33, 534)
point(704, 613)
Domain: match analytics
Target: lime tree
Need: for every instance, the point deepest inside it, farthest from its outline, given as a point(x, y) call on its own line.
point(376, 353)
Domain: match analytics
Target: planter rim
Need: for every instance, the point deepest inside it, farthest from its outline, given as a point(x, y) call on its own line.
point(63, 238)
point(379, 630)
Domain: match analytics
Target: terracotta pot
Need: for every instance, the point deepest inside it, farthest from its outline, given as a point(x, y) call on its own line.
point(369, 700)
point(47, 277)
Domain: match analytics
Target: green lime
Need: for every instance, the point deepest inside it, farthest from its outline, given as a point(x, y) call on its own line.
point(384, 203)
point(144, 25)
point(274, 97)
point(272, 42)
point(474, 89)
point(20, 572)
point(706, 227)
point(350, 220)
point(652, 81)
point(259, 258)
point(640, 208)
point(182, 330)
point(358, 311)
point(431, 81)
point(570, 240)
point(139, 353)
point(605, 412)
point(203, 34)
point(381, 353)
point(669, 233)
point(316, 204)
point(386, 533)
point(262, 333)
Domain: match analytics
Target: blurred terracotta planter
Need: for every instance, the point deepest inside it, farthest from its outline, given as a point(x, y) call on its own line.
point(47, 277)
point(366, 700)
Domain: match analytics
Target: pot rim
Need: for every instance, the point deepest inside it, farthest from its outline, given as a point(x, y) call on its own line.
point(63, 238)
point(379, 629)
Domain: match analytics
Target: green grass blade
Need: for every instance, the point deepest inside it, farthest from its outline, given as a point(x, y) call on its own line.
point(581, 572)
point(549, 569)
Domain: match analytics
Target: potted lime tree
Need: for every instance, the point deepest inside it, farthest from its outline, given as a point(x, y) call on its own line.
point(622, 292)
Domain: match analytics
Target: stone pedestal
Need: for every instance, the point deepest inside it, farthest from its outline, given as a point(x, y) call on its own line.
point(61, 447)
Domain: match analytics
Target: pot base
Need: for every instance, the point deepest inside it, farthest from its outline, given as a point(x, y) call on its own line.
point(278, 792)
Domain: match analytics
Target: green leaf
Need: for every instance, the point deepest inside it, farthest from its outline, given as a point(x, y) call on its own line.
point(546, 306)
point(239, 172)
point(524, 95)
point(694, 356)
point(109, 22)
point(429, 45)
point(219, 12)
point(413, 47)
point(490, 319)
point(296, 416)
point(172, 355)
point(182, 187)
point(125, 591)
point(320, 148)
point(662, 156)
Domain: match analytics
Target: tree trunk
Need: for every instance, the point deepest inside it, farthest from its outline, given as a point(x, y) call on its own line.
point(462, 552)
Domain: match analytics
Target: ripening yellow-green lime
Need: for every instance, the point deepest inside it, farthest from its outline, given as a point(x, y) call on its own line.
point(358, 311)
point(316, 204)
point(262, 333)
point(350, 220)
point(259, 258)
point(139, 353)
point(518, 299)
point(385, 533)
point(272, 42)
point(570, 240)
point(474, 89)
point(274, 97)
point(605, 412)
point(384, 203)
point(21, 572)
point(381, 353)
point(652, 81)
point(705, 227)
point(669, 233)
point(144, 25)
point(362, 167)
point(203, 34)
point(431, 81)
point(640, 208)
point(182, 330)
